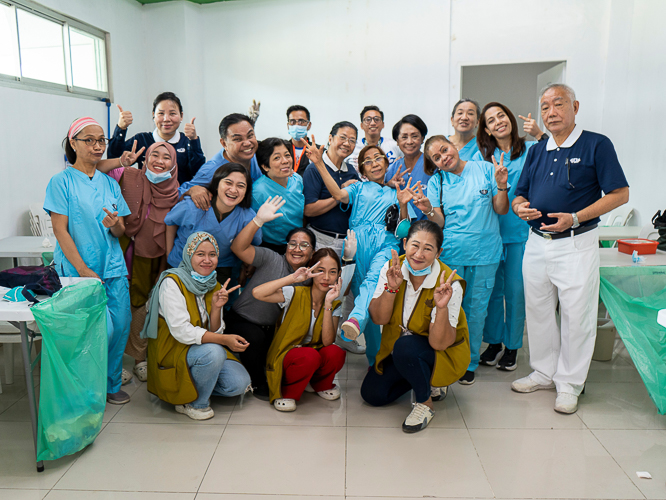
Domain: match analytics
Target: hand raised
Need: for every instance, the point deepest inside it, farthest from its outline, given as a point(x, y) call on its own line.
point(421, 201)
point(190, 130)
point(405, 195)
point(397, 179)
point(305, 273)
point(444, 291)
point(350, 245)
point(269, 210)
point(129, 158)
point(111, 218)
point(501, 172)
point(530, 126)
point(125, 118)
point(201, 197)
point(333, 293)
point(394, 277)
point(314, 153)
point(221, 297)
point(253, 110)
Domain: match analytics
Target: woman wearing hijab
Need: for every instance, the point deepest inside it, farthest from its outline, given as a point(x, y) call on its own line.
point(189, 356)
point(150, 192)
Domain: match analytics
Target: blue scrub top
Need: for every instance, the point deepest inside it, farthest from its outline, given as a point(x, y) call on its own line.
point(470, 149)
point(471, 225)
point(417, 174)
point(207, 170)
point(190, 219)
point(512, 228)
point(275, 231)
point(81, 199)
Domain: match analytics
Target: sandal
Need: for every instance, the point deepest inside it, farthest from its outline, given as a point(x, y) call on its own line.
point(284, 404)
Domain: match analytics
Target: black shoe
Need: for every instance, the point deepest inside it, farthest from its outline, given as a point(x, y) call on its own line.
point(467, 379)
point(261, 392)
point(508, 361)
point(491, 355)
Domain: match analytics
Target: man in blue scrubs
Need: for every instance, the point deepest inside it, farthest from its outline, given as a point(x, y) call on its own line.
point(559, 194)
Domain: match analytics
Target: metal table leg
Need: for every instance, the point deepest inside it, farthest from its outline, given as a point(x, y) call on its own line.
point(26, 345)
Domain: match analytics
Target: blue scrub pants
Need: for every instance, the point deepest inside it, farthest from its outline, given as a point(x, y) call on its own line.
point(508, 292)
point(119, 316)
point(480, 282)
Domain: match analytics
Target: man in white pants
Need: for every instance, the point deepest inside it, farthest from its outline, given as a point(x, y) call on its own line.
point(559, 194)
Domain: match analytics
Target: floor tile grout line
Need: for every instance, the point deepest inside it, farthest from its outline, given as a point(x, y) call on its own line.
point(203, 478)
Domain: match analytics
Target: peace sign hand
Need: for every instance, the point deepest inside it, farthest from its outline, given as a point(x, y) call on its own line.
point(444, 292)
point(394, 277)
point(501, 172)
point(129, 158)
point(305, 273)
point(530, 126)
point(333, 293)
point(405, 195)
point(124, 119)
point(221, 297)
point(268, 211)
point(421, 201)
point(314, 153)
point(253, 110)
point(111, 218)
point(397, 179)
point(190, 130)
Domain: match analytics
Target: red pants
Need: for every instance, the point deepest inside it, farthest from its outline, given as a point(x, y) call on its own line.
point(305, 364)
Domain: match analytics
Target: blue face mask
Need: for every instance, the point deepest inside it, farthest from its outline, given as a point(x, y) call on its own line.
point(422, 272)
point(297, 132)
point(201, 278)
point(157, 178)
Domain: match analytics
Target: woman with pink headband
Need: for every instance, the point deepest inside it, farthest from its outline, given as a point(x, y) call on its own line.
point(87, 210)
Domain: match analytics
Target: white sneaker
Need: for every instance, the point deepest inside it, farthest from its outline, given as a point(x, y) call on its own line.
point(125, 377)
point(330, 394)
point(438, 393)
point(351, 346)
point(284, 404)
point(418, 419)
point(196, 413)
point(527, 384)
point(566, 403)
point(141, 371)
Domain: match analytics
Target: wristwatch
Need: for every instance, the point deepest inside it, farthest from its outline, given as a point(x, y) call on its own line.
point(575, 221)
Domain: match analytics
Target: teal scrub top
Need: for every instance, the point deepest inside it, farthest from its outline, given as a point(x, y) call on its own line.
point(81, 199)
point(190, 219)
point(512, 228)
point(275, 231)
point(470, 149)
point(417, 174)
point(471, 225)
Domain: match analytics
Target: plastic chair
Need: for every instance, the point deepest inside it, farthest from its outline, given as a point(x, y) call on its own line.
point(649, 232)
point(619, 216)
point(40, 221)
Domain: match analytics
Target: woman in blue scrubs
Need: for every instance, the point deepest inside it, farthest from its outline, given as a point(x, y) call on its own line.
point(228, 214)
point(410, 133)
point(465, 199)
point(274, 158)
point(465, 119)
point(87, 211)
point(369, 204)
point(497, 138)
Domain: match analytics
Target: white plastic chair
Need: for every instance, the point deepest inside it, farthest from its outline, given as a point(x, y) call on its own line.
point(649, 232)
point(40, 221)
point(619, 216)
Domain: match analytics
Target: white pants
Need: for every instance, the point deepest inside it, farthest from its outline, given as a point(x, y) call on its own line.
point(566, 269)
point(326, 241)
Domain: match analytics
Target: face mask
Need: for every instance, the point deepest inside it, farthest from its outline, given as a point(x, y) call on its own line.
point(157, 178)
point(201, 278)
point(298, 131)
point(422, 272)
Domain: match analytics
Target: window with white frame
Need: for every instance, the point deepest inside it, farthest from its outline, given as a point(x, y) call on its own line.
point(46, 51)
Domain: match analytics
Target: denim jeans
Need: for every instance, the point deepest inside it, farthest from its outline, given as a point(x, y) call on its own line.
point(213, 374)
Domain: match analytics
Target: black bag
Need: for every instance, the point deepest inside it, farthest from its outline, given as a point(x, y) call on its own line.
point(659, 220)
point(391, 218)
point(43, 280)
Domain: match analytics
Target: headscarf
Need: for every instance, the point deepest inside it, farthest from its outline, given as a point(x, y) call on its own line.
point(149, 204)
point(79, 124)
point(184, 272)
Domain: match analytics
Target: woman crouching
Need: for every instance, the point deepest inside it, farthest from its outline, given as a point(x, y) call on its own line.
point(425, 341)
point(302, 351)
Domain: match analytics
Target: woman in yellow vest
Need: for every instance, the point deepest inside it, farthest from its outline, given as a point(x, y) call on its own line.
point(425, 340)
point(302, 351)
point(189, 355)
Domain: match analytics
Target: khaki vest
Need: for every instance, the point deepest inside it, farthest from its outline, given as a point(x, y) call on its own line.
point(290, 333)
point(451, 363)
point(169, 377)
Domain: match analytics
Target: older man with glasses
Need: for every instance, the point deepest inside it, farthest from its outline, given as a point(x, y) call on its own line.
point(372, 123)
point(559, 194)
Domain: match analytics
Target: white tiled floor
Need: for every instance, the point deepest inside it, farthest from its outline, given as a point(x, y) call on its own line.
point(484, 442)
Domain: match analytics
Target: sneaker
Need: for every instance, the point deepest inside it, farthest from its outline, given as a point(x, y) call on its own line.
point(196, 413)
point(438, 393)
point(491, 355)
point(125, 377)
point(118, 398)
point(418, 419)
point(467, 379)
point(261, 392)
point(508, 361)
point(284, 404)
point(351, 328)
point(330, 394)
point(526, 384)
point(351, 346)
point(141, 371)
point(566, 403)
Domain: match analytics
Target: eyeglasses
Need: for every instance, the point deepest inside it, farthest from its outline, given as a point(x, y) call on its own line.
point(568, 164)
point(91, 142)
point(298, 122)
point(303, 245)
point(369, 119)
point(350, 140)
point(370, 161)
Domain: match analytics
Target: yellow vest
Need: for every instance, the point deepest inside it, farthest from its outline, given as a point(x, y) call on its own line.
point(290, 333)
point(169, 377)
point(451, 363)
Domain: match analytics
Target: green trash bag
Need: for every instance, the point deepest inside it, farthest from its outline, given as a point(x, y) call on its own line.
point(73, 375)
point(633, 296)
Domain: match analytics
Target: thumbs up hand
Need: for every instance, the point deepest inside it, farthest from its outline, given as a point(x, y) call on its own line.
point(190, 130)
point(125, 118)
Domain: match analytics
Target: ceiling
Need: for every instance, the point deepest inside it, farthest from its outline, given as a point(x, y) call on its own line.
point(193, 1)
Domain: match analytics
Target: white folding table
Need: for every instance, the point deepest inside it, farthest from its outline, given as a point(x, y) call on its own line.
point(611, 233)
point(25, 246)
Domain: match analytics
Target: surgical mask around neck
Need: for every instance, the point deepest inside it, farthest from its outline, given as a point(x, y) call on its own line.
point(201, 278)
point(157, 178)
point(420, 272)
point(298, 132)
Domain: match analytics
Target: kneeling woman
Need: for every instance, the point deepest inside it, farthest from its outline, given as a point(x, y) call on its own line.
point(309, 322)
point(189, 357)
point(425, 341)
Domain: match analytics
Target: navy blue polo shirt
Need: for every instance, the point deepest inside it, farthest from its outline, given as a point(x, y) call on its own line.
point(593, 167)
point(336, 219)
